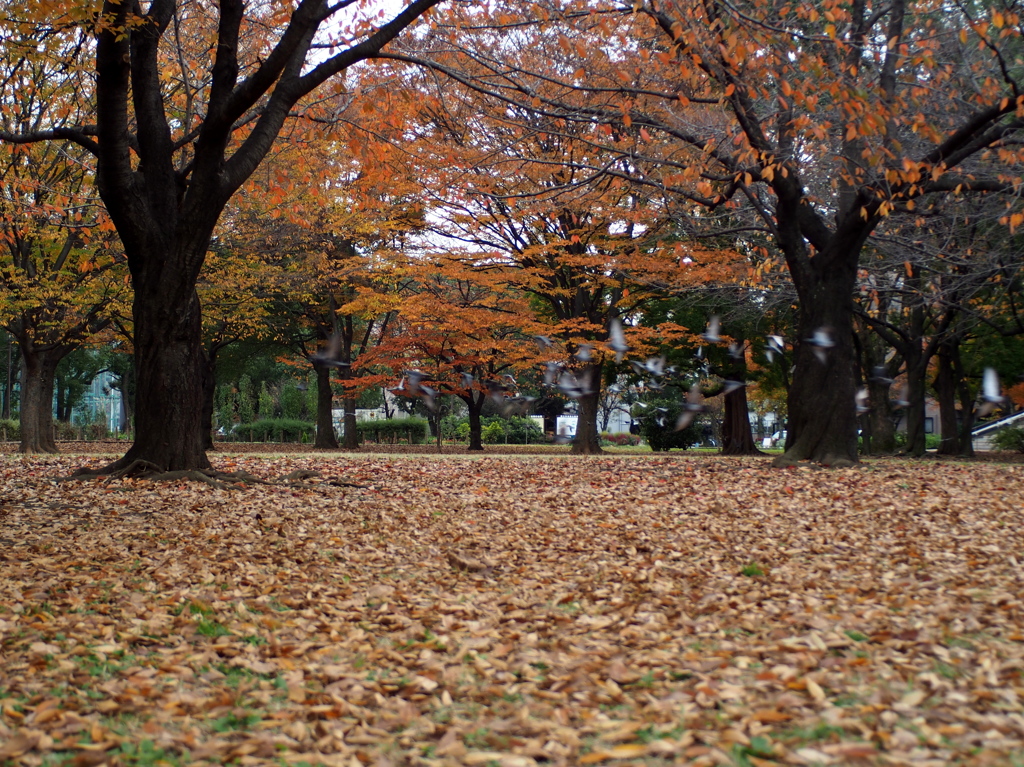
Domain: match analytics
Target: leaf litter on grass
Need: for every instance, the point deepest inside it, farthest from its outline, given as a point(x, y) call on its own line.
point(514, 611)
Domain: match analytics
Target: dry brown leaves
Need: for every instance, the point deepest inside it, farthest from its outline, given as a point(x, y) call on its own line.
point(514, 611)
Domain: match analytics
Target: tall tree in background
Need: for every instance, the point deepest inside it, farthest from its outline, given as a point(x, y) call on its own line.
point(507, 191)
point(816, 121)
point(189, 99)
point(60, 263)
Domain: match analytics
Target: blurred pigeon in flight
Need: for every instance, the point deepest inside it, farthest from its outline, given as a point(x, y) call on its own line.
point(822, 341)
point(991, 395)
point(776, 345)
point(712, 334)
point(691, 407)
point(328, 356)
point(617, 340)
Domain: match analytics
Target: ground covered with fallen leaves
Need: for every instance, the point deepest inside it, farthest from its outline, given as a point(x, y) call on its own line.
point(514, 610)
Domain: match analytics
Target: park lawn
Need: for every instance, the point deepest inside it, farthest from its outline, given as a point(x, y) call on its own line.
point(415, 610)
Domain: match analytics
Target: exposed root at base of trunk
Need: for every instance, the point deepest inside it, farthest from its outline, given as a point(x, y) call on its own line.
point(787, 460)
point(221, 480)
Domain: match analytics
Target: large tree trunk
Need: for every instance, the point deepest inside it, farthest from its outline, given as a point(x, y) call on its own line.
point(325, 436)
point(880, 424)
point(822, 424)
point(38, 369)
point(879, 434)
point(737, 438)
point(588, 439)
point(169, 373)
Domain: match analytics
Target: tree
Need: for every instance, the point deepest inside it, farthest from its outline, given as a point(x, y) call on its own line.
point(813, 122)
point(508, 195)
point(60, 266)
point(189, 99)
point(466, 330)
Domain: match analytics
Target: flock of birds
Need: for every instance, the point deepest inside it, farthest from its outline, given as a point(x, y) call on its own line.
point(655, 370)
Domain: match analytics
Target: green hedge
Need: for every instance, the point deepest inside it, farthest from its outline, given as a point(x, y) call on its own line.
point(514, 430)
point(275, 430)
point(13, 429)
point(1010, 438)
point(391, 430)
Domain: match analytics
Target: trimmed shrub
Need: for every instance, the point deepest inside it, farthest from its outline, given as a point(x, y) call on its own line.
point(391, 430)
point(275, 430)
point(1010, 438)
point(514, 430)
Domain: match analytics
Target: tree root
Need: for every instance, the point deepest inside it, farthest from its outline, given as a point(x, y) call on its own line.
point(786, 460)
point(221, 480)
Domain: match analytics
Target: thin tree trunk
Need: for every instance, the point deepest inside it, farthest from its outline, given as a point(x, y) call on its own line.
point(325, 437)
point(475, 404)
point(917, 367)
point(8, 383)
point(37, 380)
point(945, 390)
point(966, 401)
point(351, 434)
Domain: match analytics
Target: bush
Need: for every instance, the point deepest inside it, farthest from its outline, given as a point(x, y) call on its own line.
point(514, 430)
point(65, 431)
point(12, 428)
point(932, 441)
point(657, 425)
point(492, 433)
point(454, 427)
point(1010, 438)
point(275, 430)
point(392, 429)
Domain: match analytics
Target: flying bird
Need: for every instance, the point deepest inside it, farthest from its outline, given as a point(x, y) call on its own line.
point(880, 374)
point(617, 340)
point(551, 372)
point(903, 399)
point(544, 342)
point(736, 351)
point(328, 355)
point(861, 399)
point(496, 391)
point(711, 335)
point(416, 388)
point(822, 341)
point(991, 395)
point(574, 387)
point(776, 345)
point(692, 406)
point(731, 386)
point(655, 366)
point(583, 353)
